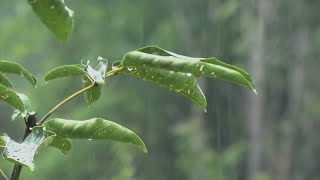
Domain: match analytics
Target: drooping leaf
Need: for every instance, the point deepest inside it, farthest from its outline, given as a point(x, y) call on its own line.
point(5, 81)
point(154, 57)
point(55, 15)
point(65, 71)
point(63, 144)
point(182, 83)
point(17, 100)
point(24, 153)
point(94, 129)
point(15, 68)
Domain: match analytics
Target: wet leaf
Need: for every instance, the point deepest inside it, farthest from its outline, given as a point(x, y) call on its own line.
point(64, 71)
point(181, 83)
point(5, 81)
point(97, 75)
point(17, 100)
point(24, 153)
point(94, 129)
point(154, 57)
point(15, 68)
point(63, 144)
point(55, 15)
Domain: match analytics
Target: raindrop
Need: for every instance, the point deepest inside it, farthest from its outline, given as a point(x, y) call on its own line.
point(189, 74)
point(129, 68)
point(201, 67)
point(89, 139)
point(52, 7)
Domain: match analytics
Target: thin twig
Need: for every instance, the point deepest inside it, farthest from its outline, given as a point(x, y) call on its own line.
point(43, 119)
point(2, 174)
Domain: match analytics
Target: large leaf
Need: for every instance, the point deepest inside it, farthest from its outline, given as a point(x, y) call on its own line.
point(65, 71)
point(94, 129)
point(24, 153)
point(182, 83)
point(154, 57)
point(55, 15)
point(5, 81)
point(17, 100)
point(15, 68)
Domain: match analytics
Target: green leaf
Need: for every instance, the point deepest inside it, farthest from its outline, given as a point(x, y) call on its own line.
point(92, 95)
point(4, 139)
point(65, 71)
point(55, 15)
point(181, 83)
point(15, 68)
point(17, 100)
point(94, 129)
point(154, 57)
point(5, 81)
point(63, 144)
point(97, 75)
point(24, 153)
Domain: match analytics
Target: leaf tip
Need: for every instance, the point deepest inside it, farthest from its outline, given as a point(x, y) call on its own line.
point(255, 91)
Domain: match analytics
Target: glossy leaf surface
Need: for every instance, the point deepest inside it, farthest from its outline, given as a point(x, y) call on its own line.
point(15, 68)
point(5, 81)
point(94, 129)
point(17, 100)
point(55, 15)
point(24, 153)
point(155, 57)
point(64, 71)
point(181, 83)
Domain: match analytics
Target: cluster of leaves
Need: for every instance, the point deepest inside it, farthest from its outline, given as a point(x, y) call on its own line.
point(174, 72)
point(168, 70)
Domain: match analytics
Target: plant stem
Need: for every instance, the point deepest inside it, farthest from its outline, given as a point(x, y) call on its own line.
point(30, 123)
point(3, 175)
point(43, 119)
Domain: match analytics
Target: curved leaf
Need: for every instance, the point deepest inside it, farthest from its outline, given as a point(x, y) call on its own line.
point(55, 15)
point(24, 153)
point(155, 57)
point(97, 75)
point(15, 68)
point(63, 144)
point(94, 129)
point(19, 101)
point(93, 94)
point(5, 81)
point(181, 83)
point(64, 71)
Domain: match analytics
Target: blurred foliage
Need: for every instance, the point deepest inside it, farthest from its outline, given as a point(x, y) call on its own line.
point(212, 146)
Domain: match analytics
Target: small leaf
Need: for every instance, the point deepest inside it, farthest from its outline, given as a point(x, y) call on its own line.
point(24, 153)
point(97, 75)
point(93, 94)
point(155, 57)
point(181, 83)
point(63, 144)
point(4, 139)
point(94, 129)
point(17, 100)
point(55, 15)
point(15, 68)
point(5, 81)
point(65, 71)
